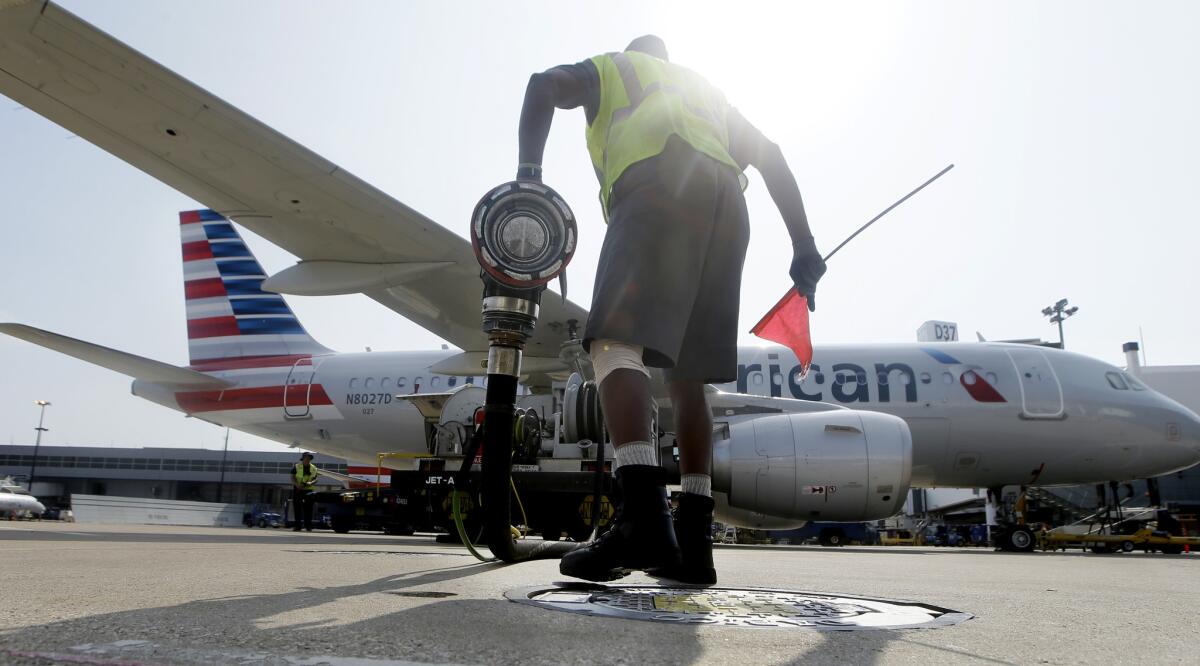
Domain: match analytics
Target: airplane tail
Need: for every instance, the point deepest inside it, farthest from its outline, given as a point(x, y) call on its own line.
point(229, 316)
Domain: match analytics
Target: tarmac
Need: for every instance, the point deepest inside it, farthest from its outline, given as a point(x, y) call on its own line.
point(130, 594)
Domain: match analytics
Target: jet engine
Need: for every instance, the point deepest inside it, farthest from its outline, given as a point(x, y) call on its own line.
point(837, 465)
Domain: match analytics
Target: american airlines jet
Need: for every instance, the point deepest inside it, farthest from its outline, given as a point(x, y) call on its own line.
point(844, 442)
point(981, 414)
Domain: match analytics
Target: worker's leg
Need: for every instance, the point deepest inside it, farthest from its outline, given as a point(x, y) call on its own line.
point(694, 517)
point(693, 427)
point(297, 510)
point(308, 510)
point(642, 536)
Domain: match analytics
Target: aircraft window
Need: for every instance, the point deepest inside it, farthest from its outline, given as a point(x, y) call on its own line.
point(992, 378)
point(385, 383)
point(369, 383)
point(1115, 381)
point(417, 381)
point(757, 377)
point(883, 379)
point(353, 383)
point(401, 382)
point(969, 377)
point(947, 378)
point(926, 378)
point(452, 381)
point(1133, 383)
point(777, 379)
point(435, 381)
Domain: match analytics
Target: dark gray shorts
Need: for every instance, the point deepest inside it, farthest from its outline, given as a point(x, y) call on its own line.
point(670, 271)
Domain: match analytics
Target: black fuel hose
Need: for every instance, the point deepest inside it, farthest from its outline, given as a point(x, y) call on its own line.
point(497, 478)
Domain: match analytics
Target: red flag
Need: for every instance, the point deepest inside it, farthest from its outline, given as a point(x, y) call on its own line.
point(787, 324)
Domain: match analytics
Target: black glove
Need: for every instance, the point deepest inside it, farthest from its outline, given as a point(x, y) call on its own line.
point(807, 269)
point(531, 172)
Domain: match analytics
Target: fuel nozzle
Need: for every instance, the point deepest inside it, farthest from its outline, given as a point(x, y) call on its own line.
point(524, 236)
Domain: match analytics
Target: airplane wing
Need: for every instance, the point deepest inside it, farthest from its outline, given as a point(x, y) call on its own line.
point(127, 364)
point(349, 236)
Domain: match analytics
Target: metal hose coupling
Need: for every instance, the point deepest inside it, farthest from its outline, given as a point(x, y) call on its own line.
point(524, 235)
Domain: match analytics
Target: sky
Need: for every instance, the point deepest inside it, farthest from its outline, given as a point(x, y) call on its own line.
point(1072, 126)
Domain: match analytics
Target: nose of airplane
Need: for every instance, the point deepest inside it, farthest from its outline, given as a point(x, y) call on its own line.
point(1184, 429)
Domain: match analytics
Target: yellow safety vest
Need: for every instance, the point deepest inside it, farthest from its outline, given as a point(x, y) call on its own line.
point(307, 480)
point(645, 101)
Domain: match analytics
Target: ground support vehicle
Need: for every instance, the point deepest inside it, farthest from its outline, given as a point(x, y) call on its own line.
point(829, 534)
point(1145, 539)
point(894, 536)
point(552, 504)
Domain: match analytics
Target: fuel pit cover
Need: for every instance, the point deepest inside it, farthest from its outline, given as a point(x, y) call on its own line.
point(737, 607)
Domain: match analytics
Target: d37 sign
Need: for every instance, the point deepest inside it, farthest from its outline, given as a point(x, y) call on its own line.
point(938, 331)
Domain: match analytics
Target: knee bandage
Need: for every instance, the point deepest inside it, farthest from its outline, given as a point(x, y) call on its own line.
point(610, 355)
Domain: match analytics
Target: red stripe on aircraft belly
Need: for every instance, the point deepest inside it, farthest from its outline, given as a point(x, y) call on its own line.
point(259, 397)
point(206, 288)
point(212, 327)
point(213, 365)
point(356, 469)
point(197, 250)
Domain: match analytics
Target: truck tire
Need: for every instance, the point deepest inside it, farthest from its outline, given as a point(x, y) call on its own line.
point(832, 538)
point(262, 522)
point(1172, 549)
point(1126, 546)
point(340, 525)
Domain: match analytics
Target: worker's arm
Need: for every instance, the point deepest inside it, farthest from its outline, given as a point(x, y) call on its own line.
point(749, 147)
point(560, 88)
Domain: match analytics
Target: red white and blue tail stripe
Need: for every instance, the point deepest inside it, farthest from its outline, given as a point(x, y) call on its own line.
point(229, 315)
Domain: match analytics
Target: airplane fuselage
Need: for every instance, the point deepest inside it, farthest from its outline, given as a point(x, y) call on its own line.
point(981, 414)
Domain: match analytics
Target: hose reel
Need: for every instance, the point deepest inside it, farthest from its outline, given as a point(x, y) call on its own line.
point(582, 417)
point(524, 235)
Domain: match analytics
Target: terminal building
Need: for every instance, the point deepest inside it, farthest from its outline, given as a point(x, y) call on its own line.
point(249, 477)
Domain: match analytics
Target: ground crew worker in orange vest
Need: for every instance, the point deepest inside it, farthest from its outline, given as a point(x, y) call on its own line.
point(669, 153)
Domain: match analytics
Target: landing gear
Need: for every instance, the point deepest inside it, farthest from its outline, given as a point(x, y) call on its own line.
point(1004, 529)
point(1015, 539)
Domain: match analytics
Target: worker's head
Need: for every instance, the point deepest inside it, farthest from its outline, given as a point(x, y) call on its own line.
point(650, 45)
point(306, 457)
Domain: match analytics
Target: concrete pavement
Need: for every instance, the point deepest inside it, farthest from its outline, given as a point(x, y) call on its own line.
point(75, 593)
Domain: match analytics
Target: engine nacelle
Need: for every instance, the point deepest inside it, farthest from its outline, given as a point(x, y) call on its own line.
point(839, 465)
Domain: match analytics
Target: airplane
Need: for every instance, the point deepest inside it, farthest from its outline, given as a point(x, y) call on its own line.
point(974, 414)
point(15, 500)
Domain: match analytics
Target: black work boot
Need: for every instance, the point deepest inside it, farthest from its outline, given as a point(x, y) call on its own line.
point(641, 536)
point(693, 532)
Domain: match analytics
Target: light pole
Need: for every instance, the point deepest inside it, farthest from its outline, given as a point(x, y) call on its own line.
point(38, 442)
point(221, 483)
point(1058, 313)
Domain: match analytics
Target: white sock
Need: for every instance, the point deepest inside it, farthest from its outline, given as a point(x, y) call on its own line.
point(635, 453)
point(697, 484)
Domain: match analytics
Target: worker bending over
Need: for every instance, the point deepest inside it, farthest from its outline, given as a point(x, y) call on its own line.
point(669, 152)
